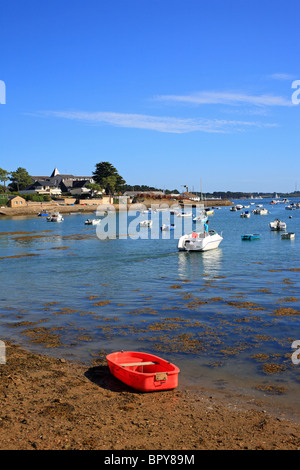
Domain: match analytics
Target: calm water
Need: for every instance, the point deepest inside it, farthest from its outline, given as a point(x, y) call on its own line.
point(215, 314)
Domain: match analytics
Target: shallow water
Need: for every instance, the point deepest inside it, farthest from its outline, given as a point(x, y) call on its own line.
point(215, 314)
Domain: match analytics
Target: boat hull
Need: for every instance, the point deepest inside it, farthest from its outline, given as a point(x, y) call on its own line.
point(142, 371)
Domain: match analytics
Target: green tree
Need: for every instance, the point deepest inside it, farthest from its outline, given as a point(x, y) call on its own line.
point(108, 178)
point(20, 179)
point(4, 176)
point(94, 187)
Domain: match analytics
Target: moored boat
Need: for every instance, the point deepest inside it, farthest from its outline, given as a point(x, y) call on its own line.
point(260, 211)
point(277, 225)
point(92, 222)
point(146, 223)
point(245, 214)
point(251, 236)
point(209, 211)
point(55, 217)
point(288, 235)
point(166, 227)
point(143, 371)
point(184, 214)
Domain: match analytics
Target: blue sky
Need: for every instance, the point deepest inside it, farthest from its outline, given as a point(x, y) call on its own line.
point(171, 93)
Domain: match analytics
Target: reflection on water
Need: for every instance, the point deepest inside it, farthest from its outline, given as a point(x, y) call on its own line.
point(193, 264)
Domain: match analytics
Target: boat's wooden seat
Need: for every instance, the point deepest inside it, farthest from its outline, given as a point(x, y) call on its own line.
point(131, 364)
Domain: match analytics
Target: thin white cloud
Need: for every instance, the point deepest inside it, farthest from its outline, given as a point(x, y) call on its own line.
point(213, 97)
point(282, 76)
point(157, 123)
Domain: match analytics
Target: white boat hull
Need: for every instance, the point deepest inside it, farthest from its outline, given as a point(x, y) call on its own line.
point(197, 242)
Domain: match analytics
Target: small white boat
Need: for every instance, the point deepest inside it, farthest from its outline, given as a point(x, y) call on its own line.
point(184, 214)
point(233, 209)
point(197, 241)
point(146, 223)
point(245, 214)
point(277, 225)
point(291, 207)
point(92, 222)
point(239, 207)
point(260, 211)
point(200, 218)
point(209, 211)
point(165, 227)
point(287, 235)
point(55, 217)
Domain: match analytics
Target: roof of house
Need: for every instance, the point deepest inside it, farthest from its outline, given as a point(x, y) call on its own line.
point(79, 184)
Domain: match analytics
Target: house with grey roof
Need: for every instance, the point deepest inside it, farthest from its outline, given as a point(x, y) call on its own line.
point(57, 183)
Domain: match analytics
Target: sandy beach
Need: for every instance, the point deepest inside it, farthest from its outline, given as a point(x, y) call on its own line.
point(50, 404)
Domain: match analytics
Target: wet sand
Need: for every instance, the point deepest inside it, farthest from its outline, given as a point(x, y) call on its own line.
point(51, 404)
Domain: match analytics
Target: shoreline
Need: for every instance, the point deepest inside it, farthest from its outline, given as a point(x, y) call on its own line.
point(34, 210)
point(53, 404)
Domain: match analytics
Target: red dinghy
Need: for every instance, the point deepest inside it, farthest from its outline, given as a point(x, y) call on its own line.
point(142, 371)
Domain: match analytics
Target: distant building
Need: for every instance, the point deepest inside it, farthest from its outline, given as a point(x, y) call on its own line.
point(56, 184)
point(16, 201)
point(79, 188)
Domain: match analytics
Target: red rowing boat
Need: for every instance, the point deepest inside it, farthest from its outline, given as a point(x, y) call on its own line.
point(142, 371)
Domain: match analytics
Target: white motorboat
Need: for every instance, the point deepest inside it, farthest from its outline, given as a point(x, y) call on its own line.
point(291, 207)
point(260, 211)
point(146, 223)
point(233, 209)
point(277, 225)
point(92, 222)
point(165, 227)
point(197, 241)
point(239, 207)
point(55, 217)
point(245, 214)
point(184, 214)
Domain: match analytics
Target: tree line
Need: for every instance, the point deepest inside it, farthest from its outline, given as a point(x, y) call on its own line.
point(19, 179)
